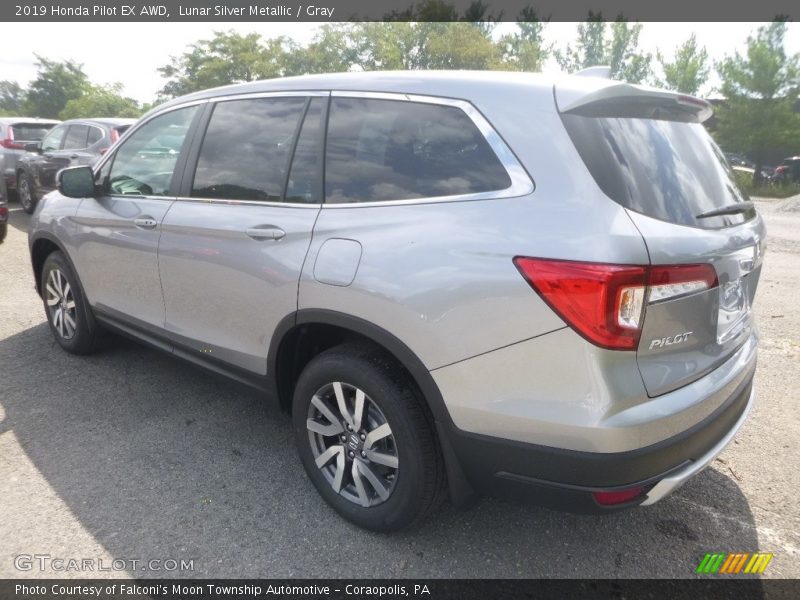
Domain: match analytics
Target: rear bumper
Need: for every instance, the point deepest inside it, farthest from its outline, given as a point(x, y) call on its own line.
point(565, 479)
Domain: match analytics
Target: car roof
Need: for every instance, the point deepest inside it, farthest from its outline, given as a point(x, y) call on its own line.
point(13, 120)
point(102, 121)
point(453, 84)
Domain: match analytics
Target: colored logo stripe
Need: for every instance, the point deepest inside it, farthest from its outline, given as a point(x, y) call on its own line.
point(724, 563)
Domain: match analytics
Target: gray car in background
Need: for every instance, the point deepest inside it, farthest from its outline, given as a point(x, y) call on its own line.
point(455, 282)
point(15, 134)
point(69, 144)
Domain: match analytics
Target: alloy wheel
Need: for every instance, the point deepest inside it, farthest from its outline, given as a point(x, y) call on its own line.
point(61, 304)
point(25, 198)
point(352, 444)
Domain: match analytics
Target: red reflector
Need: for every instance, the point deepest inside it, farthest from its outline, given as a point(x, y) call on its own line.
point(617, 497)
point(586, 296)
point(3, 211)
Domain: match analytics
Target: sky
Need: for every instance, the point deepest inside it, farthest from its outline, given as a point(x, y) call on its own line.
point(100, 46)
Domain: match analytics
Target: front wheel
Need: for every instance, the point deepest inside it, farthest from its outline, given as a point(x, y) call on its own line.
point(71, 321)
point(366, 440)
point(27, 196)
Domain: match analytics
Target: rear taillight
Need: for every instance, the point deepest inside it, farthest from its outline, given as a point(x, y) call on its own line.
point(3, 212)
point(114, 136)
point(9, 142)
point(103, 151)
point(606, 303)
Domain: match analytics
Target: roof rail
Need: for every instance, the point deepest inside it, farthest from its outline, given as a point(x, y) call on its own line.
point(599, 71)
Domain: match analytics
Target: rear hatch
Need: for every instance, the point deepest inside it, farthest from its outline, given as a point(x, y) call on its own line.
point(648, 151)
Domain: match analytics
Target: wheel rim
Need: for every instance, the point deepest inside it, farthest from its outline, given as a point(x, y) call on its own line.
point(24, 193)
point(61, 304)
point(352, 444)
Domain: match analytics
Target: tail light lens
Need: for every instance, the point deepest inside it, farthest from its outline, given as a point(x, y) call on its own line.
point(114, 136)
point(3, 212)
point(606, 303)
point(9, 142)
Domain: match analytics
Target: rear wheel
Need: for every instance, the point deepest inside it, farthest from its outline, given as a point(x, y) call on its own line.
point(365, 439)
point(71, 321)
point(27, 196)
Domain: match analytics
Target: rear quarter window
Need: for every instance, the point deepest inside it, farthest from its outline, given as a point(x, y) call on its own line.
point(668, 170)
point(379, 150)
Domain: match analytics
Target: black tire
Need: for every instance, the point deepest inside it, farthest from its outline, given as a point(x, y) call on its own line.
point(418, 484)
point(82, 337)
point(26, 193)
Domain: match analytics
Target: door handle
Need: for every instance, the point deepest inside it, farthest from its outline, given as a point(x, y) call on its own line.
point(265, 232)
point(145, 222)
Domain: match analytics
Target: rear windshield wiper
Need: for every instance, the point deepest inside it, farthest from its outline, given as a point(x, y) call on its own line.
point(730, 209)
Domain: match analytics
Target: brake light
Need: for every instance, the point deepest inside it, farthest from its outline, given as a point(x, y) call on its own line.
point(114, 136)
point(618, 497)
point(3, 212)
point(9, 142)
point(606, 303)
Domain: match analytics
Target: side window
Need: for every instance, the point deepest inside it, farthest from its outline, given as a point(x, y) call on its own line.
point(95, 135)
point(394, 150)
point(143, 165)
point(76, 137)
point(52, 141)
point(246, 149)
point(303, 184)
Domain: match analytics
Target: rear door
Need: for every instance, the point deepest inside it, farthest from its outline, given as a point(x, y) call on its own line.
point(648, 151)
point(234, 243)
point(70, 154)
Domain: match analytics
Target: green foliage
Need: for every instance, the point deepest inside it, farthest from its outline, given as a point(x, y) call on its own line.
point(761, 88)
point(100, 101)
point(688, 71)
point(620, 50)
point(227, 58)
point(12, 98)
point(56, 84)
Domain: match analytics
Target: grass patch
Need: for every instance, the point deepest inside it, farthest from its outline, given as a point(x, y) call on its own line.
point(765, 190)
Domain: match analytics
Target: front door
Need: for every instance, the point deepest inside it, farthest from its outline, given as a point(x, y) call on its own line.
point(120, 229)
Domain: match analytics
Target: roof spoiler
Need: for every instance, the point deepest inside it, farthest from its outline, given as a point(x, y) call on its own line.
point(625, 100)
point(599, 71)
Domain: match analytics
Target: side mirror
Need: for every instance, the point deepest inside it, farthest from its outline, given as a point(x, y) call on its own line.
point(35, 147)
point(76, 182)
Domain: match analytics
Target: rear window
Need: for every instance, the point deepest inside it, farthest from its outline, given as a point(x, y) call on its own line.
point(667, 170)
point(24, 132)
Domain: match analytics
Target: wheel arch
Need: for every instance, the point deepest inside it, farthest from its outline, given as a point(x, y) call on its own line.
point(290, 351)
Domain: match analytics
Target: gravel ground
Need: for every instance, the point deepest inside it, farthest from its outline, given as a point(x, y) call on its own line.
point(132, 455)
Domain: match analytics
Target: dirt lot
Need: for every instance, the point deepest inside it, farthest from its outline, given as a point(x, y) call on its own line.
point(132, 455)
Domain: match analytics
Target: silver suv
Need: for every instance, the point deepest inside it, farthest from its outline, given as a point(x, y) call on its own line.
point(453, 282)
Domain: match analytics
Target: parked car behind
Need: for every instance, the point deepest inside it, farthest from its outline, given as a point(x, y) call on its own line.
point(72, 143)
point(15, 134)
point(3, 203)
point(788, 171)
point(499, 282)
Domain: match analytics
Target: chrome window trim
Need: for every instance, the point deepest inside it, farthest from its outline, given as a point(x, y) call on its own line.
point(272, 203)
point(521, 183)
point(280, 94)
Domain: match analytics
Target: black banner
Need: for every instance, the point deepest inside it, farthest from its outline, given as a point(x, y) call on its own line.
point(384, 10)
point(339, 589)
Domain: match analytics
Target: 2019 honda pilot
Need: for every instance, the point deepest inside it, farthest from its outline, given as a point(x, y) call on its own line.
point(454, 281)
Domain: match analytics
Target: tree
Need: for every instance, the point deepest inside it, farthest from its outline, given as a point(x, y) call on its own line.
point(12, 98)
point(688, 71)
point(227, 58)
point(525, 49)
point(56, 84)
point(101, 101)
point(331, 51)
point(760, 90)
point(620, 51)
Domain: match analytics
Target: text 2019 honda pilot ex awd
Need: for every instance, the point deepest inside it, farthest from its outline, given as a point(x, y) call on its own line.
point(454, 282)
